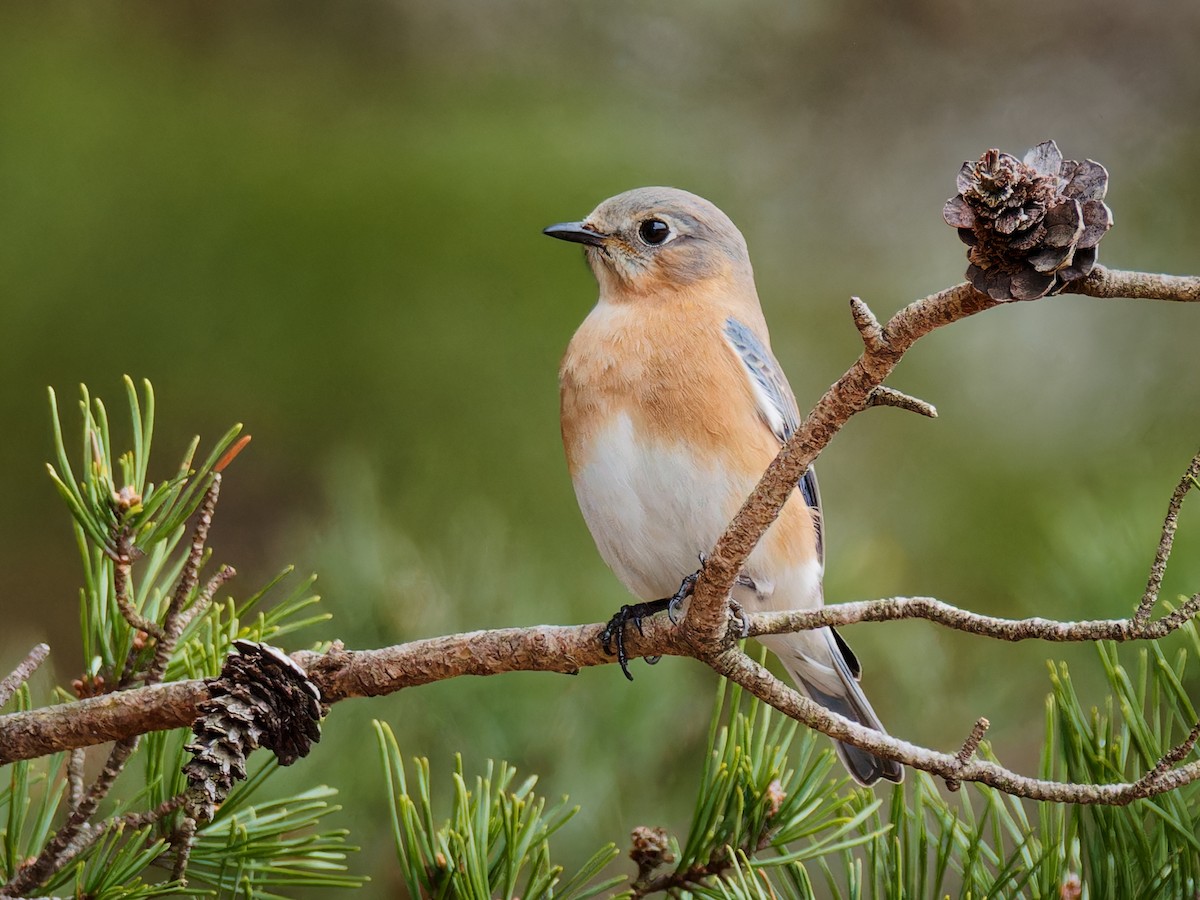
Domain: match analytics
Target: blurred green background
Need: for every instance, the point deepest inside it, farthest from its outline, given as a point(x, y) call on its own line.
point(323, 220)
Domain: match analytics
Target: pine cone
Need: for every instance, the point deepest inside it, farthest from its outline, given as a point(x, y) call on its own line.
point(261, 698)
point(1031, 225)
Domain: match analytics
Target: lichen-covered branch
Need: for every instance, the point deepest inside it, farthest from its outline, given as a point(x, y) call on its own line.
point(932, 610)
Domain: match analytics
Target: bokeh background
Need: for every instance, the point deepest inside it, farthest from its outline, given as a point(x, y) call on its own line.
point(322, 220)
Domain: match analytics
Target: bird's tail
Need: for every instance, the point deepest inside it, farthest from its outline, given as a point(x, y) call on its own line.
point(831, 679)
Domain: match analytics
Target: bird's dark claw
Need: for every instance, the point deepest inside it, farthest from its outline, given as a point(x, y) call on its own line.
point(613, 635)
point(687, 587)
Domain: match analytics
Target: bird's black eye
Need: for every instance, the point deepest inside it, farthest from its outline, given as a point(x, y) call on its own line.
point(654, 231)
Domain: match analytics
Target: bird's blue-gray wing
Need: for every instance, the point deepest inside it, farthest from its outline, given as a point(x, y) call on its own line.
point(776, 406)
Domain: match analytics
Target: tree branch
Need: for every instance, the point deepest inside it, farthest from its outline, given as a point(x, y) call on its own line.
point(932, 610)
point(341, 674)
point(1115, 283)
point(757, 680)
point(21, 673)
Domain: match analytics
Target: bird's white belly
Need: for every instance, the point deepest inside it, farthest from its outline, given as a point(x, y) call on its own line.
point(654, 508)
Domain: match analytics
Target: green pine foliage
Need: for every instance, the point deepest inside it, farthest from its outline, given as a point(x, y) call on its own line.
point(495, 843)
point(258, 845)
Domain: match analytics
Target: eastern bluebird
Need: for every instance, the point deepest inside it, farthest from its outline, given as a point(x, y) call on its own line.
point(672, 407)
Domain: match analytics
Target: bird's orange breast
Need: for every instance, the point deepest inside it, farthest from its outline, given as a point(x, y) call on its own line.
point(671, 371)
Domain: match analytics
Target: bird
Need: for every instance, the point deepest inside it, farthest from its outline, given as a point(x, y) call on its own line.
point(672, 406)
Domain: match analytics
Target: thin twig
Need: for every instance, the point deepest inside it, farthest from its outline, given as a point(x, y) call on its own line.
point(150, 817)
point(1176, 755)
point(182, 840)
point(967, 752)
point(21, 673)
point(175, 621)
point(75, 761)
point(868, 326)
point(222, 575)
point(1159, 567)
point(932, 610)
point(122, 564)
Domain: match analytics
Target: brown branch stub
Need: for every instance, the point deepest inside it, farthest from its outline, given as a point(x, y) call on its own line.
point(967, 752)
point(21, 673)
point(886, 396)
point(1170, 524)
point(868, 326)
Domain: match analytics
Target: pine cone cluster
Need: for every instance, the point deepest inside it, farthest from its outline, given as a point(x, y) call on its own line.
point(261, 699)
point(1031, 225)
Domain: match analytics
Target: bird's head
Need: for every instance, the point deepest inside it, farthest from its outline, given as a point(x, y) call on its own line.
point(658, 240)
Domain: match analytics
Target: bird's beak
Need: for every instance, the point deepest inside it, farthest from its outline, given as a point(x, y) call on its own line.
point(576, 232)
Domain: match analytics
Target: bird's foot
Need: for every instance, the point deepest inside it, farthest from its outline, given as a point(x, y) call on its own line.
point(613, 636)
point(687, 587)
